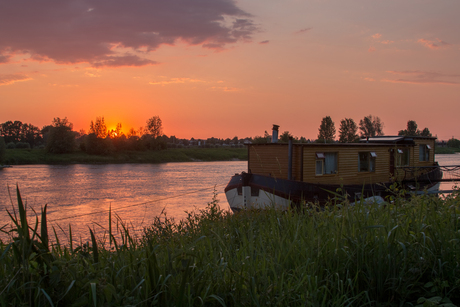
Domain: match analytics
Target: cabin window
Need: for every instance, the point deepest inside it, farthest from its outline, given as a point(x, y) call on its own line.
point(367, 161)
point(424, 152)
point(326, 163)
point(403, 157)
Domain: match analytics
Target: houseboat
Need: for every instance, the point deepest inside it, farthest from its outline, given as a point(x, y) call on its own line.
point(287, 174)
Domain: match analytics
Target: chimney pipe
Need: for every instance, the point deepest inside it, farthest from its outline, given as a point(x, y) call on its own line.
point(275, 134)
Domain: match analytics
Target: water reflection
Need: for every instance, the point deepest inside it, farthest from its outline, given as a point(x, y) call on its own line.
point(81, 195)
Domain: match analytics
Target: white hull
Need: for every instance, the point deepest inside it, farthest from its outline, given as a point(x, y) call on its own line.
point(262, 201)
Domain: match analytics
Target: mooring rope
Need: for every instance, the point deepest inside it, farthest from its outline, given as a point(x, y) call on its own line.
point(139, 204)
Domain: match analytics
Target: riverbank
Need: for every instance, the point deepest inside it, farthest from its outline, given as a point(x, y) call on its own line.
point(40, 156)
point(404, 253)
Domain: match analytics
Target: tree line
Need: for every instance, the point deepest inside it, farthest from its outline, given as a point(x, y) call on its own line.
point(59, 137)
point(369, 126)
point(349, 131)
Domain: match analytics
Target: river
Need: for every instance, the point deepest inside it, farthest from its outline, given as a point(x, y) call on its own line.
point(82, 194)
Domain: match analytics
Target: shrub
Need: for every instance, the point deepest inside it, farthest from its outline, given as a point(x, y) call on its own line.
point(2, 150)
point(23, 145)
point(10, 145)
point(98, 146)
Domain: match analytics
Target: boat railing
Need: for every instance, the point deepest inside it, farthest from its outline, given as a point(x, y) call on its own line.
point(429, 174)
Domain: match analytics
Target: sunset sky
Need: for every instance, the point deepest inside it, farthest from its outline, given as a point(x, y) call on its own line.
point(222, 68)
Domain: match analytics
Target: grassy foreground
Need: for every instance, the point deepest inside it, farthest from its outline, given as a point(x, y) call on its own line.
point(403, 254)
point(40, 156)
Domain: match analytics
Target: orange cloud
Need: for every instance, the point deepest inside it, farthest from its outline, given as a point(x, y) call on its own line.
point(376, 36)
point(371, 49)
point(176, 81)
point(13, 78)
point(424, 77)
point(433, 44)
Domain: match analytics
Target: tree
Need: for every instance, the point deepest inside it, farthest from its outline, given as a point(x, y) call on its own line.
point(117, 133)
point(98, 128)
point(326, 130)
point(95, 145)
point(348, 131)
point(412, 130)
point(284, 137)
point(61, 138)
point(154, 126)
point(370, 126)
point(426, 132)
point(31, 134)
point(453, 142)
point(11, 131)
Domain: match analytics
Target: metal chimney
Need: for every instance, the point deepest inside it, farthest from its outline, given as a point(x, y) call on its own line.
point(275, 134)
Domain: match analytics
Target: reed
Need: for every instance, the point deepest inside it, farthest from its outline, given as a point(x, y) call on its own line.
point(404, 253)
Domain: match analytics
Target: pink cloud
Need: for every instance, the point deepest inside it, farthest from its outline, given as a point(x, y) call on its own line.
point(264, 42)
point(371, 49)
point(376, 36)
point(4, 58)
point(13, 78)
point(71, 31)
point(424, 77)
point(433, 44)
point(303, 30)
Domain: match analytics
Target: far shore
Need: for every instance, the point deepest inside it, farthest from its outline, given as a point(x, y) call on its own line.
point(195, 154)
point(40, 156)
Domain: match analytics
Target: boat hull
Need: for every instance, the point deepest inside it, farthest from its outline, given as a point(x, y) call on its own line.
point(253, 191)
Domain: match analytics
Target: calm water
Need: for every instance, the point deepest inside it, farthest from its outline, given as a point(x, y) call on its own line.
point(80, 195)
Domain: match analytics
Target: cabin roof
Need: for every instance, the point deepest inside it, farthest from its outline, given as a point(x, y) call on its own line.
point(399, 139)
point(326, 144)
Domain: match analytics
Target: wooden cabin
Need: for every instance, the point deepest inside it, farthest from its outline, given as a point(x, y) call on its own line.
point(372, 160)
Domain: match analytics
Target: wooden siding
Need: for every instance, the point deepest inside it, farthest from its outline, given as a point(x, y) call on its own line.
point(272, 160)
point(347, 165)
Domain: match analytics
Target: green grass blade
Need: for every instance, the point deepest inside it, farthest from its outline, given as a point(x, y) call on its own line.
point(95, 250)
point(47, 297)
point(44, 229)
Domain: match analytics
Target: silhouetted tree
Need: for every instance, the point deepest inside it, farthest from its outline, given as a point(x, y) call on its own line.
point(61, 138)
point(370, 126)
point(348, 131)
point(95, 145)
point(98, 127)
point(154, 126)
point(284, 137)
point(326, 130)
point(453, 142)
point(412, 130)
point(426, 132)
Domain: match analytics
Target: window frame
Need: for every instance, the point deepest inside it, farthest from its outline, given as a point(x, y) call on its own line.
point(402, 153)
point(321, 161)
point(424, 153)
point(370, 161)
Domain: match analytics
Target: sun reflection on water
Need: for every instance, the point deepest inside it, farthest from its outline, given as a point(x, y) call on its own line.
point(81, 195)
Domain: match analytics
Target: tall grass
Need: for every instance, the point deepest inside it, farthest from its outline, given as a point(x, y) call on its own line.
point(405, 253)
